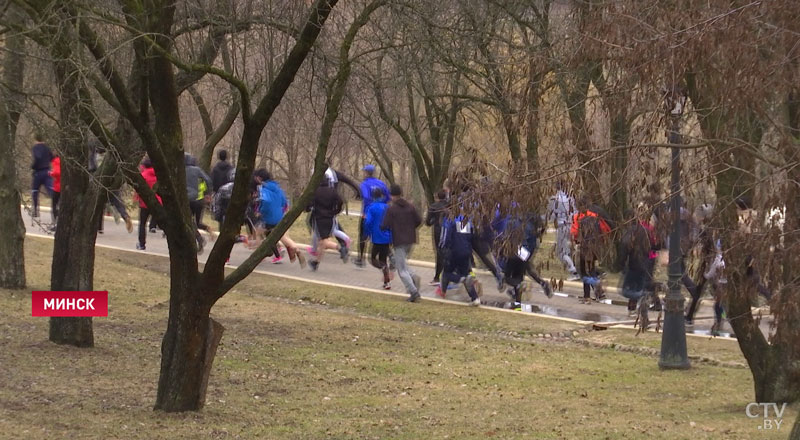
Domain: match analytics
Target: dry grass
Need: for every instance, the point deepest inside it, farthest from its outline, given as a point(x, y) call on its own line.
point(301, 361)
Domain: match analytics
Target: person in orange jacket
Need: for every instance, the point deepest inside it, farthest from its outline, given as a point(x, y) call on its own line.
point(55, 177)
point(590, 229)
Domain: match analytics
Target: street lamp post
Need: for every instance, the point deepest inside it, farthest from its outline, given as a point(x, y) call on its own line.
point(673, 338)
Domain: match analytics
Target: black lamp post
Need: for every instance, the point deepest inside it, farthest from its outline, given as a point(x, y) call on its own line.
point(673, 338)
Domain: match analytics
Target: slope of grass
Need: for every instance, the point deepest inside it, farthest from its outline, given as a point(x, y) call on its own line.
point(300, 361)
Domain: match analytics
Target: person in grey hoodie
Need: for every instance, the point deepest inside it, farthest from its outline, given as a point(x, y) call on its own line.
point(195, 175)
point(402, 219)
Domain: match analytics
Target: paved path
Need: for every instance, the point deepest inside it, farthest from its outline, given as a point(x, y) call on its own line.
point(563, 304)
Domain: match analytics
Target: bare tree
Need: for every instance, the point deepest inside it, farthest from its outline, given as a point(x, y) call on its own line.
point(12, 101)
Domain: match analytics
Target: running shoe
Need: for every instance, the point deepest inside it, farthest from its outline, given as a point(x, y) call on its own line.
point(439, 292)
point(344, 253)
point(416, 280)
point(574, 277)
point(475, 302)
point(152, 230)
point(387, 286)
point(358, 262)
point(277, 260)
point(312, 252)
point(413, 298)
point(433, 283)
point(314, 264)
point(140, 247)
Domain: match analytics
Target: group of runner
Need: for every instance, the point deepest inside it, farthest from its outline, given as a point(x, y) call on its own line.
point(505, 242)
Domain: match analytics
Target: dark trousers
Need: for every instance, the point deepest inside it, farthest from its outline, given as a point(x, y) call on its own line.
point(587, 268)
point(197, 206)
point(144, 214)
point(40, 178)
point(362, 239)
point(440, 255)
point(458, 267)
point(54, 212)
point(116, 201)
point(378, 259)
point(483, 250)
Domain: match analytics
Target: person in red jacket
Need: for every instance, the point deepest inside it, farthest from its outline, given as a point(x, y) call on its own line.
point(149, 175)
point(590, 230)
point(55, 176)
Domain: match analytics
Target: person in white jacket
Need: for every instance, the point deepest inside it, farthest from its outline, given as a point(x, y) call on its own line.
point(560, 210)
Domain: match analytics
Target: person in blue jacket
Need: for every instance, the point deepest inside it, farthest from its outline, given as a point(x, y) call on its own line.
point(367, 186)
point(273, 205)
point(381, 239)
point(457, 237)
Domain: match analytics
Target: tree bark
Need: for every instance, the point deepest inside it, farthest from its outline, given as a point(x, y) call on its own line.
point(73, 249)
point(773, 364)
point(12, 100)
point(81, 200)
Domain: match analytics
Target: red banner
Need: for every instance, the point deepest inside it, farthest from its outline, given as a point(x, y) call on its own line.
point(80, 303)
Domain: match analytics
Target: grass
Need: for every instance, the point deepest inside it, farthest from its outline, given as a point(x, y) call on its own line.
point(304, 361)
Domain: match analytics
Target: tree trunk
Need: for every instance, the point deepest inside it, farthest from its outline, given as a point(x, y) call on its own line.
point(80, 208)
point(190, 343)
point(620, 133)
point(12, 228)
point(795, 434)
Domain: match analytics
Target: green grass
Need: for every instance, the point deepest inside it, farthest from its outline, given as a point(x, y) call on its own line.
point(303, 361)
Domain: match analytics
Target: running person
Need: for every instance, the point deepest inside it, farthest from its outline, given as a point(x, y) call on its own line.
point(457, 240)
point(55, 175)
point(366, 188)
point(589, 230)
point(633, 258)
point(222, 172)
point(561, 209)
point(434, 218)
point(149, 176)
point(402, 220)
point(42, 157)
point(326, 204)
point(272, 208)
point(334, 178)
point(194, 176)
point(381, 238)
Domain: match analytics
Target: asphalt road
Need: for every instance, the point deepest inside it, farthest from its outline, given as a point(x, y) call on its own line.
point(563, 304)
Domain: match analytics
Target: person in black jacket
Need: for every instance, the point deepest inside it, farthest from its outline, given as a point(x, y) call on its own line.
point(402, 219)
point(434, 219)
point(222, 171)
point(327, 203)
point(42, 156)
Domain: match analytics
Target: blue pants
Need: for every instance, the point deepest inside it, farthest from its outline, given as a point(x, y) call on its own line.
point(458, 267)
point(40, 177)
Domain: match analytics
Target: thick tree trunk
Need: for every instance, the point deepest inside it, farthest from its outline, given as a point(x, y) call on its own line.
point(80, 205)
point(190, 343)
point(73, 250)
point(12, 228)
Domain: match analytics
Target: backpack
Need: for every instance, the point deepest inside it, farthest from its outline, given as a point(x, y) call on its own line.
point(219, 204)
point(591, 236)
